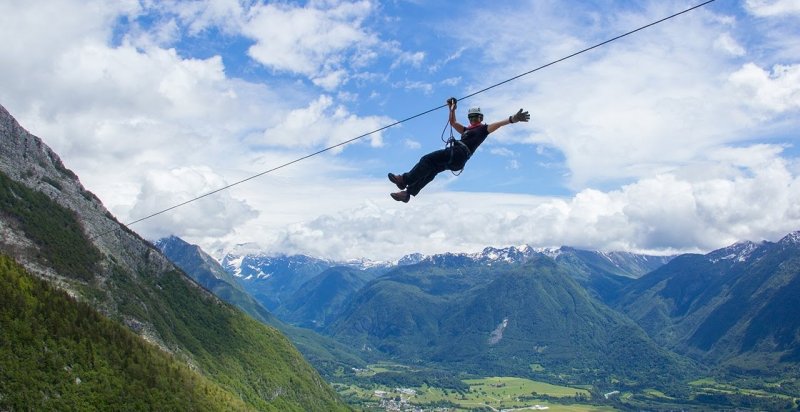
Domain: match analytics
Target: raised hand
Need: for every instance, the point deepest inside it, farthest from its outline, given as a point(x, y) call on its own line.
point(520, 117)
point(451, 103)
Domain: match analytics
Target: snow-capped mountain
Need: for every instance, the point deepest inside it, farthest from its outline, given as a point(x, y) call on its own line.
point(250, 264)
point(625, 264)
point(791, 239)
point(273, 278)
point(737, 252)
point(253, 264)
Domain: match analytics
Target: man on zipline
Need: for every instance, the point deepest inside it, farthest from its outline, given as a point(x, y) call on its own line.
point(454, 156)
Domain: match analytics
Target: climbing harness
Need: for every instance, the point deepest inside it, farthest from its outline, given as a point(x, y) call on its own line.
point(454, 144)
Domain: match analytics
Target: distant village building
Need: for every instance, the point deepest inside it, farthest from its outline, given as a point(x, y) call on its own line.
point(406, 391)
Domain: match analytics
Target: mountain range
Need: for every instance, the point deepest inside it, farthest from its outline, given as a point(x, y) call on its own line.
point(275, 280)
point(539, 312)
point(531, 319)
point(514, 310)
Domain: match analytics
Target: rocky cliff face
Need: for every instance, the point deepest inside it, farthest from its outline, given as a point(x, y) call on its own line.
point(27, 160)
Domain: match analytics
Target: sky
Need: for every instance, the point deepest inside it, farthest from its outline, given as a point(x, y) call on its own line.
point(682, 137)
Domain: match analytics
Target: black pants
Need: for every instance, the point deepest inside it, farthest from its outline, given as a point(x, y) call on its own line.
point(451, 158)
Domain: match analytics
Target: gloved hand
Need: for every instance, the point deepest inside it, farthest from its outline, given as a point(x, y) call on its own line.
point(451, 103)
point(520, 117)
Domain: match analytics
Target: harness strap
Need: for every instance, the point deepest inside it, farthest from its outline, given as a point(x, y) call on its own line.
point(465, 147)
point(452, 143)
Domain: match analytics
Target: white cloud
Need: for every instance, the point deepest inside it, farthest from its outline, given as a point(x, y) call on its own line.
point(111, 112)
point(331, 80)
point(423, 87)
point(70, 78)
point(435, 67)
point(41, 30)
point(215, 215)
point(512, 163)
point(727, 43)
point(413, 59)
point(451, 81)
point(757, 197)
point(502, 151)
point(412, 144)
point(770, 8)
point(777, 91)
point(314, 41)
point(323, 122)
point(162, 33)
point(200, 15)
point(124, 117)
point(641, 106)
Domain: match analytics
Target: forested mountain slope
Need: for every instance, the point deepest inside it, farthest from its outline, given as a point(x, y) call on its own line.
point(59, 231)
point(60, 354)
point(324, 353)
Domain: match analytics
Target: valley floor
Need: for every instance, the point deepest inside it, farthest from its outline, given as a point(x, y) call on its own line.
point(517, 394)
point(486, 394)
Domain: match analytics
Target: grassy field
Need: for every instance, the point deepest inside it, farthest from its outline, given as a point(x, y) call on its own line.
point(494, 393)
point(470, 401)
point(508, 393)
point(371, 370)
point(711, 385)
point(518, 394)
point(514, 387)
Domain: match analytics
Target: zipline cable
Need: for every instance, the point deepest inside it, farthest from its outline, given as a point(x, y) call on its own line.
point(409, 118)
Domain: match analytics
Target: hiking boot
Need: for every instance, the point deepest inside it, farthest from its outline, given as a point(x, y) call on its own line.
point(401, 196)
point(398, 180)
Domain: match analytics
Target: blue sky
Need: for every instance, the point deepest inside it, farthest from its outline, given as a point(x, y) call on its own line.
point(682, 137)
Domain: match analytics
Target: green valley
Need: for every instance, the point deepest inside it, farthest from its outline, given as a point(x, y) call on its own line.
point(491, 393)
point(513, 393)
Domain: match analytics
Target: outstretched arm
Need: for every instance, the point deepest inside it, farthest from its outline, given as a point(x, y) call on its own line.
point(519, 117)
point(451, 103)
